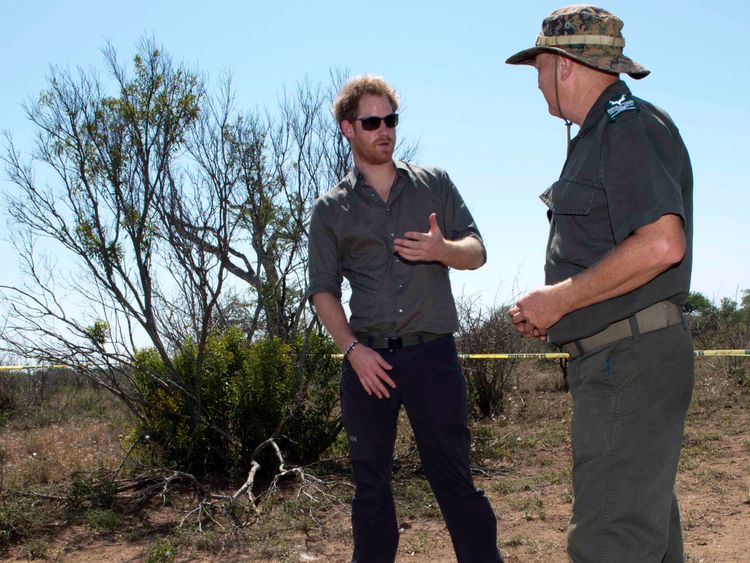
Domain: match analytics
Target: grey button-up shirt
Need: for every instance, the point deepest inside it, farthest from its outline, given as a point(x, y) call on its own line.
point(351, 236)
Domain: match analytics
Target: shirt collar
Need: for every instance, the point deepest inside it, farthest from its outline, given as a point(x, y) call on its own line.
point(357, 179)
point(600, 105)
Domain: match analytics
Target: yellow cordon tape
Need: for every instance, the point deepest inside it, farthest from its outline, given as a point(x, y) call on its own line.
point(565, 355)
point(520, 356)
point(710, 353)
point(526, 356)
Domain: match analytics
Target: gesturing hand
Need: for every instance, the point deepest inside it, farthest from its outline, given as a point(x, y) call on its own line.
point(422, 247)
point(370, 368)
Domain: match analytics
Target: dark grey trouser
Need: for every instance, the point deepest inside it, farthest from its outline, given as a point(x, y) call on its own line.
point(630, 403)
point(431, 386)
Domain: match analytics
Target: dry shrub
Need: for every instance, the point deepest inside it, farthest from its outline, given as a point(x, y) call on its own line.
point(487, 330)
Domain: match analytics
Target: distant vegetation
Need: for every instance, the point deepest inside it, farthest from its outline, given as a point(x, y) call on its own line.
point(73, 455)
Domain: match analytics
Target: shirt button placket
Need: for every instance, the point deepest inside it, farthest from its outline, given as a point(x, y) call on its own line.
point(396, 259)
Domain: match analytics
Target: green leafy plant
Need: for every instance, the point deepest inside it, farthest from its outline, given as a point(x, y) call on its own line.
point(16, 519)
point(90, 492)
point(163, 551)
point(247, 392)
point(102, 520)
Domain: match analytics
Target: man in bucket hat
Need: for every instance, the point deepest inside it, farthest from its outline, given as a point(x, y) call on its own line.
point(617, 270)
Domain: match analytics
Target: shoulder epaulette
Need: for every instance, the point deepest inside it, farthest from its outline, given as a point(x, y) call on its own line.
point(619, 104)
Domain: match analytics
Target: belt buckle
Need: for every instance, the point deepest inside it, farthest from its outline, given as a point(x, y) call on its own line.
point(394, 343)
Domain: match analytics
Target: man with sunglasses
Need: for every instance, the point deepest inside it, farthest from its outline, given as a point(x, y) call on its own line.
point(393, 230)
point(618, 268)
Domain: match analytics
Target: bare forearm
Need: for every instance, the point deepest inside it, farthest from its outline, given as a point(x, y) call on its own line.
point(331, 313)
point(466, 253)
point(463, 254)
point(369, 365)
point(641, 257)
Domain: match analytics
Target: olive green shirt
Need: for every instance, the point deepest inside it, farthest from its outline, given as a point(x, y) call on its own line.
point(626, 168)
point(351, 236)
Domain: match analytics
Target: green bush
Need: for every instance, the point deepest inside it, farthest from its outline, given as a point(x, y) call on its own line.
point(17, 517)
point(37, 549)
point(245, 390)
point(315, 423)
point(102, 520)
point(163, 551)
point(725, 325)
point(95, 491)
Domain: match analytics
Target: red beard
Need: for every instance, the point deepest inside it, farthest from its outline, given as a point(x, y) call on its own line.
point(379, 151)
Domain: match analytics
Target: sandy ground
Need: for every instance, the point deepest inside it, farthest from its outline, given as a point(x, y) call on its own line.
point(531, 499)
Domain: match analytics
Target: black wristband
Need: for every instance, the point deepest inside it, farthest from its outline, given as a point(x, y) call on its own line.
point(350, 348)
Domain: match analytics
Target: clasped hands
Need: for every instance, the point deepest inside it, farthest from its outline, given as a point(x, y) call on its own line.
point(535, 312)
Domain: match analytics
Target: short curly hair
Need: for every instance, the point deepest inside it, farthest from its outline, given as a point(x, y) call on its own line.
point(346, 104)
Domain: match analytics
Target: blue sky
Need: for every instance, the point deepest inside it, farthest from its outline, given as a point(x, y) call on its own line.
point(483, 121)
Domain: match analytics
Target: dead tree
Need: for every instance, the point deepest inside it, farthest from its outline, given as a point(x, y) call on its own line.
point(153, 213)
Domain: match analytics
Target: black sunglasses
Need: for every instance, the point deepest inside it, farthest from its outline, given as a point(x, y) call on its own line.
point(373, 123)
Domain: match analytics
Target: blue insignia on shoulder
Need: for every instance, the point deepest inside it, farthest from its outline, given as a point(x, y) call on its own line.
point(619, 104)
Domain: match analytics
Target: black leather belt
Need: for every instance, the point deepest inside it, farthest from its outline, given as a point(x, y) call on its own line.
point(657, 316)
point(378, 342)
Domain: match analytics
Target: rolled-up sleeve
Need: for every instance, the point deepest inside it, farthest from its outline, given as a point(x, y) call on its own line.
point(460, 221)
point(324, 264)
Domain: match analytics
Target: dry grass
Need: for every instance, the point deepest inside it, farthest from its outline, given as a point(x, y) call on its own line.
point(522, 459)
point(47, 455)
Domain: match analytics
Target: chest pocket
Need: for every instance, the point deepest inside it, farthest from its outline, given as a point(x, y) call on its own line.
point(570, 197)
point(580, 233)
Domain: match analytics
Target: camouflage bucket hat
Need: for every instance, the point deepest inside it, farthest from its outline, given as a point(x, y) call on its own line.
point(586, 34)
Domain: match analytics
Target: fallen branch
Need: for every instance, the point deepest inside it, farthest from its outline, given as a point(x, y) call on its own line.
point(282, 472)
